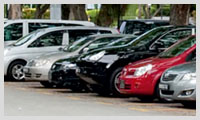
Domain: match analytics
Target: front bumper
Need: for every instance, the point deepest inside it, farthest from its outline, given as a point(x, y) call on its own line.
point(36, 73)
point(132, 85)
point(92, 73)
point(175, 90)
point(66, 78)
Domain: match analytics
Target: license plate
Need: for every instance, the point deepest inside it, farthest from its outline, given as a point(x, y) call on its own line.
point(163, 86)
point(26, 70)
point(122, 84)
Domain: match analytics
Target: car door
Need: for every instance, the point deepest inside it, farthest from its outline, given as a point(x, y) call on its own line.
point(46, 43)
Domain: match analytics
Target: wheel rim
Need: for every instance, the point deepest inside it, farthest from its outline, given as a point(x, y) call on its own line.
point(17, 72)
point(116, 81)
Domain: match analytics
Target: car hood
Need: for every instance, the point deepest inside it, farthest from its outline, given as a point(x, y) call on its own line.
point(54, 56)
point(183, 68)
point(155, 61)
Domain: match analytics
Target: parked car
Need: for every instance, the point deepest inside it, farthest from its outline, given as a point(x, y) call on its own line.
point(140, 26)
point(63, 71)
point(43, 41)
point(142, 78)
point(178, 83)
point(15, 29)
point(101, 69)
point(36, 71)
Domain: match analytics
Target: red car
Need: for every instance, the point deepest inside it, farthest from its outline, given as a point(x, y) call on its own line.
point(141, 78)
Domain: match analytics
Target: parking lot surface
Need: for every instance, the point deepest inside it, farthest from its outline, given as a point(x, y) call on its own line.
point(30, 98)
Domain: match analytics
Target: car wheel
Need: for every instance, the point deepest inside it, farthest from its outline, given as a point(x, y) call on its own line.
point(47, 84)
point(114, 82)
point(15, 71)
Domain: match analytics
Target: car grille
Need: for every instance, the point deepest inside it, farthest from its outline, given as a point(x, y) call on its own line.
point(169, 77)
point(167, 92)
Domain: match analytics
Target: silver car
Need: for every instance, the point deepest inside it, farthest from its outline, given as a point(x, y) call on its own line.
point(179, 83)
point(38, 68)
point(15, 29)
point(40, 42)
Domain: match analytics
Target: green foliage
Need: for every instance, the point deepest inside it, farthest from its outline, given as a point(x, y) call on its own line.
point(92, 14)
point(29, 13)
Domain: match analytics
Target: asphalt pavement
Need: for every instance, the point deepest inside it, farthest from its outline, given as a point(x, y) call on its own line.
point(31, 99)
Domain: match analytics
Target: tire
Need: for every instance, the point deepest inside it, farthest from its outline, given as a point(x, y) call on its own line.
point(15, 71)
point(114, 82)
point(47, 84)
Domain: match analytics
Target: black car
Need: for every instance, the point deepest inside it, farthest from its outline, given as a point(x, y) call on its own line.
point(101, 68)
point(140, 26)
point(62, 72)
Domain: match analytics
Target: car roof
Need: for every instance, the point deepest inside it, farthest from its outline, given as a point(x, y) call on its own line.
point(76, 28)
point(146, 20)
point(87, 23)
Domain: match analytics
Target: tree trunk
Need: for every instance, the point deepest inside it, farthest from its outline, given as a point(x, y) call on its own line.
point(15, 11)
point(109, 12)
point(179, 14)
point(139, 11)
point(40, 10)
point(65, 8)
point(77, 12)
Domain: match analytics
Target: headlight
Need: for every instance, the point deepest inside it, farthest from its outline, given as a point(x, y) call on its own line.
point(68, 66)
point(97, 56)
point(142, 70)
point(189, 76)
point(38, 63)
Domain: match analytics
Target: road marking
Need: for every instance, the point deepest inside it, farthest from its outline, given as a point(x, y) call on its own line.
point(73, 98)
point(24, 89)
point(104, 103)
point(46, 93)
point(138, 109)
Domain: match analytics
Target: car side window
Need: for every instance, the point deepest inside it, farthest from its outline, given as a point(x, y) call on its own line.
point(13, 32)
point(173, 37)
point(50, 39)
point(77, 34)
point(191, 56)
point(105, 32)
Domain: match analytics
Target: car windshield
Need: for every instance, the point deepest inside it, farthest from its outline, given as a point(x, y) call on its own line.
point(148, 36)
point(122, 41)
point(76, 45)
point(26, 38)
point(179, 48)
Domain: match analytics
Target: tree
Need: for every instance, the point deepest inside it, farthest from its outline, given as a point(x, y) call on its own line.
point(110, 12)
point(40, 10)
point(15, 11)
point(65, 11)
point(179, 14)
point(74, 12)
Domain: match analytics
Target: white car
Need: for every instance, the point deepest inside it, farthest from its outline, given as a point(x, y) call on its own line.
point(43, 41)
point(15, 29)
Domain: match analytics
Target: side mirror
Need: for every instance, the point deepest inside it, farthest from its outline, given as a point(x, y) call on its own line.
point(85, 50)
